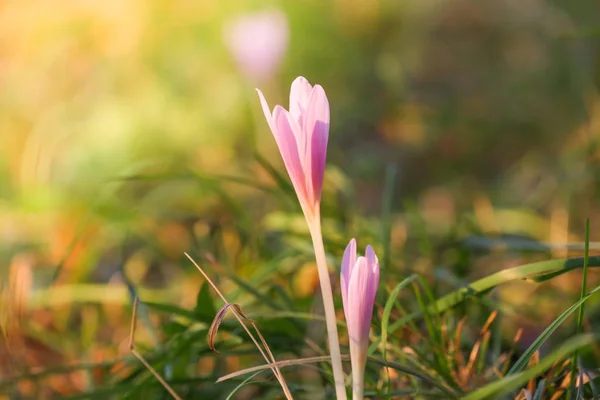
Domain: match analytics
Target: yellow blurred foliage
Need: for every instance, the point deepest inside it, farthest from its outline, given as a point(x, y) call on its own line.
point(306, 280)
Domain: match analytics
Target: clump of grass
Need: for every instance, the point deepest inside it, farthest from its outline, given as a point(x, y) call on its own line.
point(425, 343)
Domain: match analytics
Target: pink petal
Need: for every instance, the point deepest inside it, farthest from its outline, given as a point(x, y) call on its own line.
point(299, 96)
point(371, 257)
point(373, 264)
point(316, 129)
point(283, 131)
point(360, 307)
point(266, 110)
point(348, 261)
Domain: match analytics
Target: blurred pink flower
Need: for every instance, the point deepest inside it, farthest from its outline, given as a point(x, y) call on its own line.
point(301, 135)
point(258, 42)
point(359, 281)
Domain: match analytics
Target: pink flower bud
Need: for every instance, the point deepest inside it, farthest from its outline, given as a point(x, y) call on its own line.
point(359, 281)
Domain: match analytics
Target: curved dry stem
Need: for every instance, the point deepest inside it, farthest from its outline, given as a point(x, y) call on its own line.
point(270, 359)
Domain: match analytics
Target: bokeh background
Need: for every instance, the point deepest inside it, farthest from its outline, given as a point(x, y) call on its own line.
point(463, 133)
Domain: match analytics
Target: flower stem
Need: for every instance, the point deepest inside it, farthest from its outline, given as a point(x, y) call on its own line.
point(358, 371)
point(357, 388)
point(314, 225)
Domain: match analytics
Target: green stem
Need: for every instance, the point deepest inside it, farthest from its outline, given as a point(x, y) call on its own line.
point(314, 225)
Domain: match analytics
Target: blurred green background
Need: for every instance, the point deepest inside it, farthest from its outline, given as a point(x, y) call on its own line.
point(465, 133)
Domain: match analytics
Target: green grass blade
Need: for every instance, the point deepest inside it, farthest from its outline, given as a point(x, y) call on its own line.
point(79, 293)
point(592, 384)
point(521, 363)
point(433, 383)
point(581, 307)
point(537, 271)
point(521, 272)
point(282, 182)
point(402, 394)
point(417, 374)
point(205, 309)
point(539, 391)
point(242, 384)
point(172, 310)
point(387, 311)
point(513, 382)
point(433, 326)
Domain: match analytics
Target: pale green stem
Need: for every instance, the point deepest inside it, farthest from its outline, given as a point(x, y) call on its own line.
point(358, 385)
point(314, 225)
point(358, 358)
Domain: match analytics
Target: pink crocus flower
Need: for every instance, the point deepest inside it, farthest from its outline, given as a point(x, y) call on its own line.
point(258, 42)
point(301, 135)
point(359, 281)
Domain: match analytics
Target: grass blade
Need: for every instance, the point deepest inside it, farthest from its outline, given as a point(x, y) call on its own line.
point(242, 384)
point(385, 318)
point(580, 314)
point(514, 382)
point(309, 360)
point(539, 391)
point(538, 271)
point(521, 363)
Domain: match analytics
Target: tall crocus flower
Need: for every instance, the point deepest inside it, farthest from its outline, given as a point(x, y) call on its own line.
point(359, 281)
point(301, 134)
